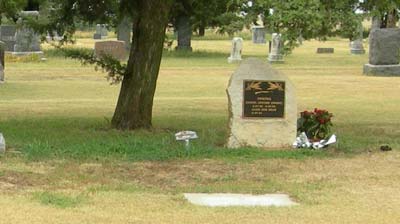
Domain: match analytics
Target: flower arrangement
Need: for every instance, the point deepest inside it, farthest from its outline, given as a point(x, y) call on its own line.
point(316, 124)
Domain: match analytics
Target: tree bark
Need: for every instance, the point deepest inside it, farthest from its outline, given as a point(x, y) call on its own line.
point(184, 29)
point(202, 30)
point(135, 103)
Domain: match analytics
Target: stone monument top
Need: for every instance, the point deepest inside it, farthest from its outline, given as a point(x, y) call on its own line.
point(262, 107)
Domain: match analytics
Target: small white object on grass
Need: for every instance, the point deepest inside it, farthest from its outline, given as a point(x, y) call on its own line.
point(245, 200)
point(186, 136)
point(2, 143)
point(302, 142)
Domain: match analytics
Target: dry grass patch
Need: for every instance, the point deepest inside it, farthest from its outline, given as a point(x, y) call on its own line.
point(361, 189)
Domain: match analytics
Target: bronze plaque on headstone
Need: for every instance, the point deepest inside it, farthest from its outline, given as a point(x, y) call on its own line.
point(264, 99)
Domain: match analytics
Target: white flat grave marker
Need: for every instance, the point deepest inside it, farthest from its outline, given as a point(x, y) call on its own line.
point(245, 200)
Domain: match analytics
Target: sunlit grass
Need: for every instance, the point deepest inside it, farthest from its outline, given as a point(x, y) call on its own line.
point(66, 165)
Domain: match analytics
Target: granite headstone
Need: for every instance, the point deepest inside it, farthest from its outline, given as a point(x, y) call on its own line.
point(236, 52)
point(356, 46)
point(101, 32)
point(262, 107)
point(258, 33)
point(7, 35)
point(384, 48)
point(275, 52)
point(114, 48)
point(26, 40)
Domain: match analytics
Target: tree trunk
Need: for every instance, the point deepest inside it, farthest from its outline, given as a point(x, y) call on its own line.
point(202, 30)
point(184, 29)
point(135, 103)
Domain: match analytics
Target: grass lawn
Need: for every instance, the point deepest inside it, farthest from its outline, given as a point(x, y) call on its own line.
point(66, 165)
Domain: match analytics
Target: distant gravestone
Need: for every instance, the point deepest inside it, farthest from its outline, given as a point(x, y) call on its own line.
point(124, 32)
point(325, 50)
point(262, 107)
point(236, 53)
point(275, 52)
point(300, 40)
point(258, 34)
point(2, 61)
point(356, 46)
point(54, 37)
point(26, 40)
point(384, 48)
point(101, 32)
point(113, 48)
point(7, 35)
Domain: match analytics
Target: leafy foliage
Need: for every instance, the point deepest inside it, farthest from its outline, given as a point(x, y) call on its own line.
point(107, 63)
point(10, 8)
point(306, 18)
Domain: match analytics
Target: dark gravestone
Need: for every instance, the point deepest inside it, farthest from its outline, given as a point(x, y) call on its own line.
point(325, 50)
point(184, 30)
point(2, 63)
point(384, 49)
point(7, 35)
point(384, 46)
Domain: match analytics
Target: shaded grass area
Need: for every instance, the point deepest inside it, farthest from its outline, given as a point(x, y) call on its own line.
point(92, 139)
point(59, 200)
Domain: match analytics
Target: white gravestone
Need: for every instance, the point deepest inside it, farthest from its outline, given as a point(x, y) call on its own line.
point(275, 54)
point(2, 143)
point(356, 46)
point(101, 32)
point(236, 53)
point(262, 107)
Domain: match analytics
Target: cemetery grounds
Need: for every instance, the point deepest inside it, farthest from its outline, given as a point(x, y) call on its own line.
point(65, 165)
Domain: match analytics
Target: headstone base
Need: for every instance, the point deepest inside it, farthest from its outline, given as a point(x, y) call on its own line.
point(40, 53)
point(357, 51)
point(325, 50)
point(234, 60)
point(382, 70)
point(99, 37)
point(183, 48)
point(276, 59)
